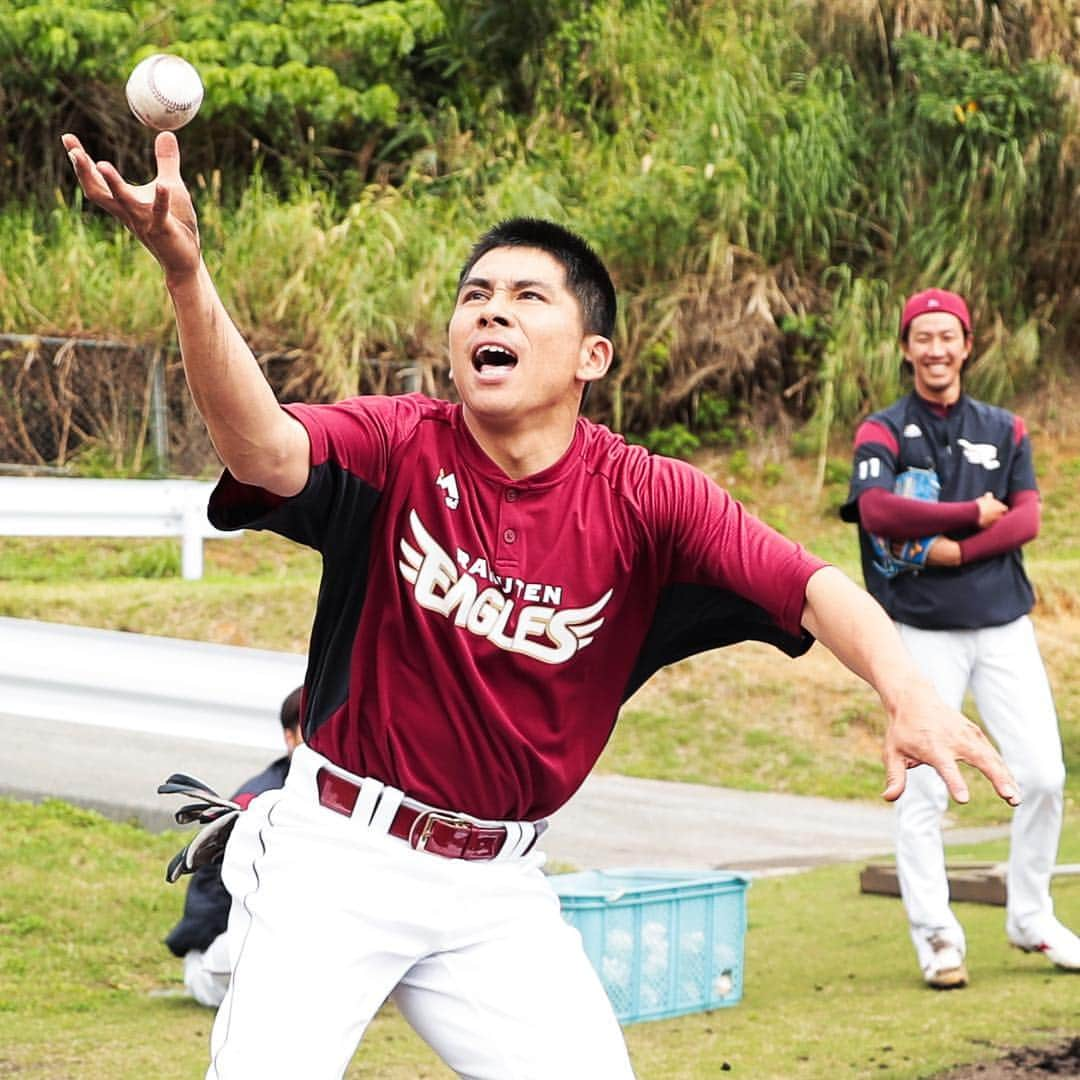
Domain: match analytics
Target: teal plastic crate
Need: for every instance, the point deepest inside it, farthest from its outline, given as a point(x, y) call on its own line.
point(664, 942)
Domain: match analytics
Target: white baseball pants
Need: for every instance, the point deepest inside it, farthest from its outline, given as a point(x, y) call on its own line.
point(330, 917)
point(1002, 668)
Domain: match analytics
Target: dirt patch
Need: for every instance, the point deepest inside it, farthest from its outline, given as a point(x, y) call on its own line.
point(1058, 1059)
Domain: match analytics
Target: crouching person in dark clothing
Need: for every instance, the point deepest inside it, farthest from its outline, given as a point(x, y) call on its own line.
point(199, 937)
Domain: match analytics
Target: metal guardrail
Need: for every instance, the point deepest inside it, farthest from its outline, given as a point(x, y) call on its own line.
point(139, 682)
point(86, 506)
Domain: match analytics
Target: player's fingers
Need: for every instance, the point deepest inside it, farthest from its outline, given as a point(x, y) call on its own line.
point(895, 775)
point(975, 749)
point(80, 160)
point(982, 756)
point(167, 152)
point(118, 187)
point(88, 174)
point(949, 771)
point(124, 202)
point(161, 206)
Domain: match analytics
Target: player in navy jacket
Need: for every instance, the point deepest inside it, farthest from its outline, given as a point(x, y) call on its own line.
point(498, 575)
point(965, 619)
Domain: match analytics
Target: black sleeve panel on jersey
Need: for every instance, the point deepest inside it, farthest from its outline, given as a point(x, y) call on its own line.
point(331, 494)
point(333, 515)
point(691, 619)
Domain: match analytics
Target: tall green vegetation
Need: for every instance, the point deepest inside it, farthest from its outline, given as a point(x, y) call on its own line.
point(308, 86)
point(973, 152)
point(766, 180)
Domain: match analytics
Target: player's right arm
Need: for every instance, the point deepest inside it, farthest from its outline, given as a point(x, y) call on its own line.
point(258, 442)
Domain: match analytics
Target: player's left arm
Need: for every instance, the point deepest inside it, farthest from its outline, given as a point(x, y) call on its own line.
point(922, 729)
point(1011, 530)
point(1007, 526)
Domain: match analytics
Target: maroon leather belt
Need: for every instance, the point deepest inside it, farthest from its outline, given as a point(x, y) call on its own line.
point(436, 831)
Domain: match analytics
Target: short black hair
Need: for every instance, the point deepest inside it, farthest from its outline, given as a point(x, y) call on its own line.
point(290, 710)
point(586, 276)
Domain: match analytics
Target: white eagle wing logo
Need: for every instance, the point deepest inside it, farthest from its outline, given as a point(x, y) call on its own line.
point(577, 620)
point(984, 454)
point(414, 561)
point(548, 634)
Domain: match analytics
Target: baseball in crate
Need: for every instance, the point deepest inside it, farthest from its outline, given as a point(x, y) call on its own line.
point(664, 942)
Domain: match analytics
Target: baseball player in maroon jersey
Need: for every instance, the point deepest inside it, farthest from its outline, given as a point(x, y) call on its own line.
point(964, 617)
point(499, 574)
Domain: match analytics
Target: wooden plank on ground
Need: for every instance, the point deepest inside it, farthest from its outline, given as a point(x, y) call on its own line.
point(980, 883)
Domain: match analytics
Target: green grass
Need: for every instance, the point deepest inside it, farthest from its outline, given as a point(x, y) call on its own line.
point(257, 591)
point(87, 990)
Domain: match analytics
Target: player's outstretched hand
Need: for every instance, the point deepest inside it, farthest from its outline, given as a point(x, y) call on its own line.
point(159, 213)
point(922, 728)
point(925, 731)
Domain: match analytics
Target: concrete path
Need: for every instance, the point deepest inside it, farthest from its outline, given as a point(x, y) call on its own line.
point(613, 821)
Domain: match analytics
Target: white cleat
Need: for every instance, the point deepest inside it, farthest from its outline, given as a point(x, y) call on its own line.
point(1046, 935)
point(943, 964)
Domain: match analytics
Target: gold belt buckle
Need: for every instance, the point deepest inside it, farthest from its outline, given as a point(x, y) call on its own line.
point(431, 818)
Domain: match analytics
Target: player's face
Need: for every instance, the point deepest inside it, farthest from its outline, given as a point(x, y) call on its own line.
point(519, 352)
point(936, 349)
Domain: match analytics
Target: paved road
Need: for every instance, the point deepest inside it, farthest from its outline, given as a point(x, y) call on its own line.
point(614, 821)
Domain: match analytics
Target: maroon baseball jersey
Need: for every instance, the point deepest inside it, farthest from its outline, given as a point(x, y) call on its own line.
point(475, 635)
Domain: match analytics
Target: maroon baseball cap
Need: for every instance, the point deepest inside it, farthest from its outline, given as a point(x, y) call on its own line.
point(923, 303)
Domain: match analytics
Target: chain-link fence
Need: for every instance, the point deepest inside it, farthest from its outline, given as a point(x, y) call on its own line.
point(106, 408)
point(96, 408)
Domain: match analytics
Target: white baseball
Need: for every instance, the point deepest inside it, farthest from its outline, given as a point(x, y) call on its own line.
point(164, 92)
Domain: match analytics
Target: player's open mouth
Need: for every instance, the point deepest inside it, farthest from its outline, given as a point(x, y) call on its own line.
point(493, 358)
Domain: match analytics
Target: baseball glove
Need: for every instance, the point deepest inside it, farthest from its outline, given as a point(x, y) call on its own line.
point(205, 847)
point(892, 557)
point(216, 815)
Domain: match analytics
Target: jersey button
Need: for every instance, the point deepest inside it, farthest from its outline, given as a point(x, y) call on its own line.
point(509, 535)
point(511, 495)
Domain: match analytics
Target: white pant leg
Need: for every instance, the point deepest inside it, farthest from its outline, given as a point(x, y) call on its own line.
point(945, 657)
point(329, 916)
point(320, 930)
point(517, 997)
point(1014, 699)
point(206, 974)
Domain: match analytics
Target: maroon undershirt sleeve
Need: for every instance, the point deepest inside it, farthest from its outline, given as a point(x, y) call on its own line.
point(902, 518)
point(1018, 525)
